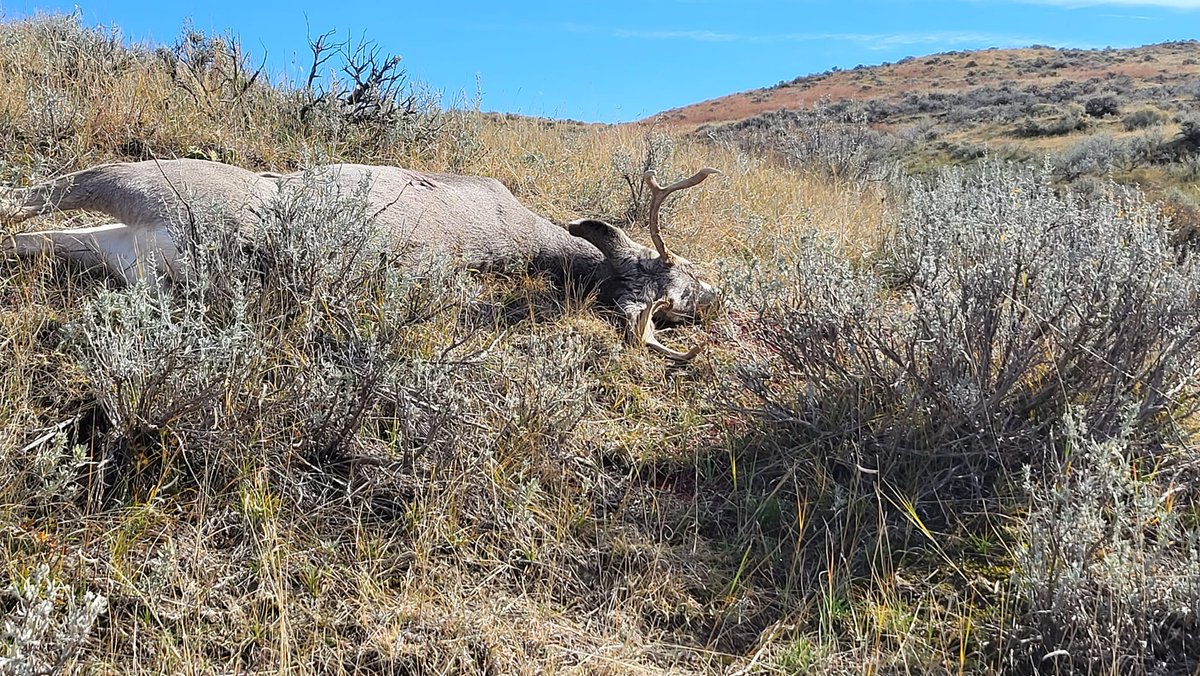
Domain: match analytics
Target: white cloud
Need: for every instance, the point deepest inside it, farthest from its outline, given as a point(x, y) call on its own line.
point(1170, 4)
point(872, 41)
point(697, 36)
point(940, 38)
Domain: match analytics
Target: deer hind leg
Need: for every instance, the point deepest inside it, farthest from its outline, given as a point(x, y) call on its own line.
point(18, 204)
point(127, 254)
point(104, 188)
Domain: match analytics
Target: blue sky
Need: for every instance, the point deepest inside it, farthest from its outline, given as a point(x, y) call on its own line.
point(621, 60)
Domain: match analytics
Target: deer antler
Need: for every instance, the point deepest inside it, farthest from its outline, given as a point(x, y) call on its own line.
point(643, 332)
point(659, 193)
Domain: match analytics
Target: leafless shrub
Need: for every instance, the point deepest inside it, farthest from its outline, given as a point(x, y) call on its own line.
point(368, 88)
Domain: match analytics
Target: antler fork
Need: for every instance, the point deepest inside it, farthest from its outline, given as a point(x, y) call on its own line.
point(659, 193)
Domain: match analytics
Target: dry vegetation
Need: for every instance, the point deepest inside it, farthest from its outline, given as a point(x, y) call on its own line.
point(1152, 69)
point(1122, 114)
point(941, 427)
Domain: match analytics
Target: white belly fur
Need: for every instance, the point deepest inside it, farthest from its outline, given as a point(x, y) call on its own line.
point(143, 252)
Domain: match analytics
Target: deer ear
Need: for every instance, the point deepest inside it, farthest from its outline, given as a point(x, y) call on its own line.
point(609, 239)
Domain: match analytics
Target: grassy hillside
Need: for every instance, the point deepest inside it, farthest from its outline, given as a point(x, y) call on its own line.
point(943, 425)
point(1159, 74)
point(1128, 115)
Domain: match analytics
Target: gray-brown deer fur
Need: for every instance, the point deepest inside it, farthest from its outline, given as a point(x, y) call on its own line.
point(475, 219)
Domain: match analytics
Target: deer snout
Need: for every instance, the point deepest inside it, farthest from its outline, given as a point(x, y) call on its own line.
point(694, 302)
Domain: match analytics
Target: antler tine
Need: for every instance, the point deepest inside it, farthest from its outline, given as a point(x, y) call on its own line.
point(659, 193)
point(642, 331)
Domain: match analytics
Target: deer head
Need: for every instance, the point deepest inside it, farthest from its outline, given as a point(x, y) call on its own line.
point(650, 284)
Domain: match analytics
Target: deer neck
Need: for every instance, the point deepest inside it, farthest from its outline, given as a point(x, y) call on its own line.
point(569, 261)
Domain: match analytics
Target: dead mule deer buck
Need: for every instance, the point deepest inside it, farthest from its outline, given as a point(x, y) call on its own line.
point(475, 219)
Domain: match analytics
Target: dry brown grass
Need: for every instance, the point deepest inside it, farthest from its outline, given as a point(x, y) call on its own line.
point(573, 549)
point(587, 508)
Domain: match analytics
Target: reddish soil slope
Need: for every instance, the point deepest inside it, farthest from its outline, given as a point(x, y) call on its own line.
point(952, 71)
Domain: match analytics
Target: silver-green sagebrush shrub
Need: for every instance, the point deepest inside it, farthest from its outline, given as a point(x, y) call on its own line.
point(1108, 565)
point(831, 139)
point(1141, 119)
point(1022, 299)
point(45, 624)
point(279, 345)
point(657, 155)
point(69, 49)
point(997, 302)
point(1097, 155)
point(1005, 323)
point(44, 473)
point(309, 354)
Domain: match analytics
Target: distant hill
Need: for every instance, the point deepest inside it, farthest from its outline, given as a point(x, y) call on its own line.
point(1160, 70)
